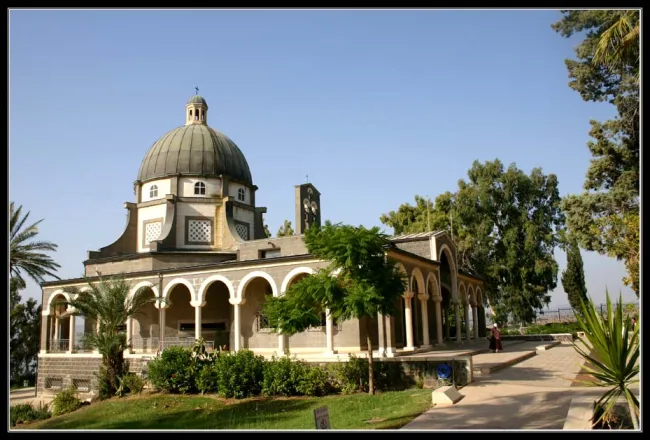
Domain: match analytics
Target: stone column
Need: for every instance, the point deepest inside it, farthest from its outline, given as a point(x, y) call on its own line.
point(162, 308)
point(438, 302)
point(467, 329)
point(282, 346)
point(329, 332)
point(71, 337)
point(459, 336)
point(386, 336)
point(237, 303)
point(56, 328)
point(45, 322)
point(425, 320)
point(129, 332)
point(408, 313)
point(197, 318)
point(475, 319)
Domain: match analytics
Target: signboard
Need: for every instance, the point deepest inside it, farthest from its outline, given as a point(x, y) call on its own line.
point(322, 418)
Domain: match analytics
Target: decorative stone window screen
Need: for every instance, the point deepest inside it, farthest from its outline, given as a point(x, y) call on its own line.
point(262, 322)
point(152, 231)
point(199, 231)
point(243, 230)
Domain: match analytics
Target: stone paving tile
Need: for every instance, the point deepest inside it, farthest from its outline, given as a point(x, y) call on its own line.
point(554, 368)
point(533, 394)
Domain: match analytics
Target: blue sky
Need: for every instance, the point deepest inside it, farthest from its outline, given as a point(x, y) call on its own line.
point(375, 106)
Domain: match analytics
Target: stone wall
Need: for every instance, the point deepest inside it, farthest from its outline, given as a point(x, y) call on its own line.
point(57, 373)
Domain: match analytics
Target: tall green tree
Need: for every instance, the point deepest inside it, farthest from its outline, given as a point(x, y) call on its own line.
point(573, 278)
point(24, 341)
point(108, 302)
point(25, 254)
point(285, 230)
point(605, 217)
point(367, 283)
point(506, 225)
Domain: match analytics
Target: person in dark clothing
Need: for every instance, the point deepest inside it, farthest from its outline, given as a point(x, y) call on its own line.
point(495, 339)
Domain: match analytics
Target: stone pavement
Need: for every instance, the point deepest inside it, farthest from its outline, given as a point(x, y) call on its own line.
point(533, 394)
point(27, 395)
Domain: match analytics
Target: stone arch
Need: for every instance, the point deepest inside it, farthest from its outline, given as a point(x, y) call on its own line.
point(249, 277)
point(142, 284)
point(294, 273)
point(416, 276)
point(431, 278)
point(453, 269)
point(54, 295)
point(471, 294)
point(174, 282)
point(462, 292)
point(211, 279)
point(479, 296)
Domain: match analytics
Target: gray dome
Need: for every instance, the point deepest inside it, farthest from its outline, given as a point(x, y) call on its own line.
point(195, 150)
point(196, 99)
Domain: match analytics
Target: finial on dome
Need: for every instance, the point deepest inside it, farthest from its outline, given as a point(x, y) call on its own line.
point(197, 89)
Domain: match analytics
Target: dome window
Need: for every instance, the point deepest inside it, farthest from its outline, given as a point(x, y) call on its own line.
point(241, 194)
point(153, 191)
point(199, 189)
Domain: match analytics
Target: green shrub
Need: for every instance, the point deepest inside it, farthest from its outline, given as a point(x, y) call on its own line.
point(25, 413)
point(171, 371)
point(207, 381)
point(566, 327)
point(239, 374)
point(278, 379)
point(291, 377)
point(350, 376)
point(313, 381)
point(133, 383)
point(65, 401)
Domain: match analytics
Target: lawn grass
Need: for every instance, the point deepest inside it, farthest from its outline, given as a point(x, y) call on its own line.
point(389, 410)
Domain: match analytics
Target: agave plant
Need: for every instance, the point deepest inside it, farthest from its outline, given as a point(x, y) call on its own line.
point(614, 356)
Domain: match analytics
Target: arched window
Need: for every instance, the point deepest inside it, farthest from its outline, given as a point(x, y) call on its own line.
point(153, 191)
point(241, 194)
point(199, 189)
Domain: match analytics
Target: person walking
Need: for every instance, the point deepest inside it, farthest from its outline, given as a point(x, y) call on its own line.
point(495, 339)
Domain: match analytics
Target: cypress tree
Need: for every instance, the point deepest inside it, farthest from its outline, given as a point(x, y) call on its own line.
point(573, 278)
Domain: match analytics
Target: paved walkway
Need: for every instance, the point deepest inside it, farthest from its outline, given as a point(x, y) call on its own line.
point(533, 394)
point(27, 395)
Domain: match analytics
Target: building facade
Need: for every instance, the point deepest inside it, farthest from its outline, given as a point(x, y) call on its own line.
point(194, 239)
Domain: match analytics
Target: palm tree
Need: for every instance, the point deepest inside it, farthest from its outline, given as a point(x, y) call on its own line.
point(25, 255)
point(615, 355)
point(618, 46)
point(109, 303)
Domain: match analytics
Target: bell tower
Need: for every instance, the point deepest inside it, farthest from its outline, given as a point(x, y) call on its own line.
point(307, 207)
point(196, 110)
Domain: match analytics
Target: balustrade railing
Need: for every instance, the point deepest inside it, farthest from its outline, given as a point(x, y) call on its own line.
point(59, 345)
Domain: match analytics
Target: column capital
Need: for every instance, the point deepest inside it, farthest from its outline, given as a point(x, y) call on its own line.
point(437, 298)
point(237, 301)
point(408, 295)
point(162, 304)
point(423, 296)
point(198, 303)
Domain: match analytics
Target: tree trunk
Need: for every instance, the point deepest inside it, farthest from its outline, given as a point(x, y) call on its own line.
point(371, 370)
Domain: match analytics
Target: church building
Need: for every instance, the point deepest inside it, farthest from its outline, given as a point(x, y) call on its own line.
point(194, 238)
